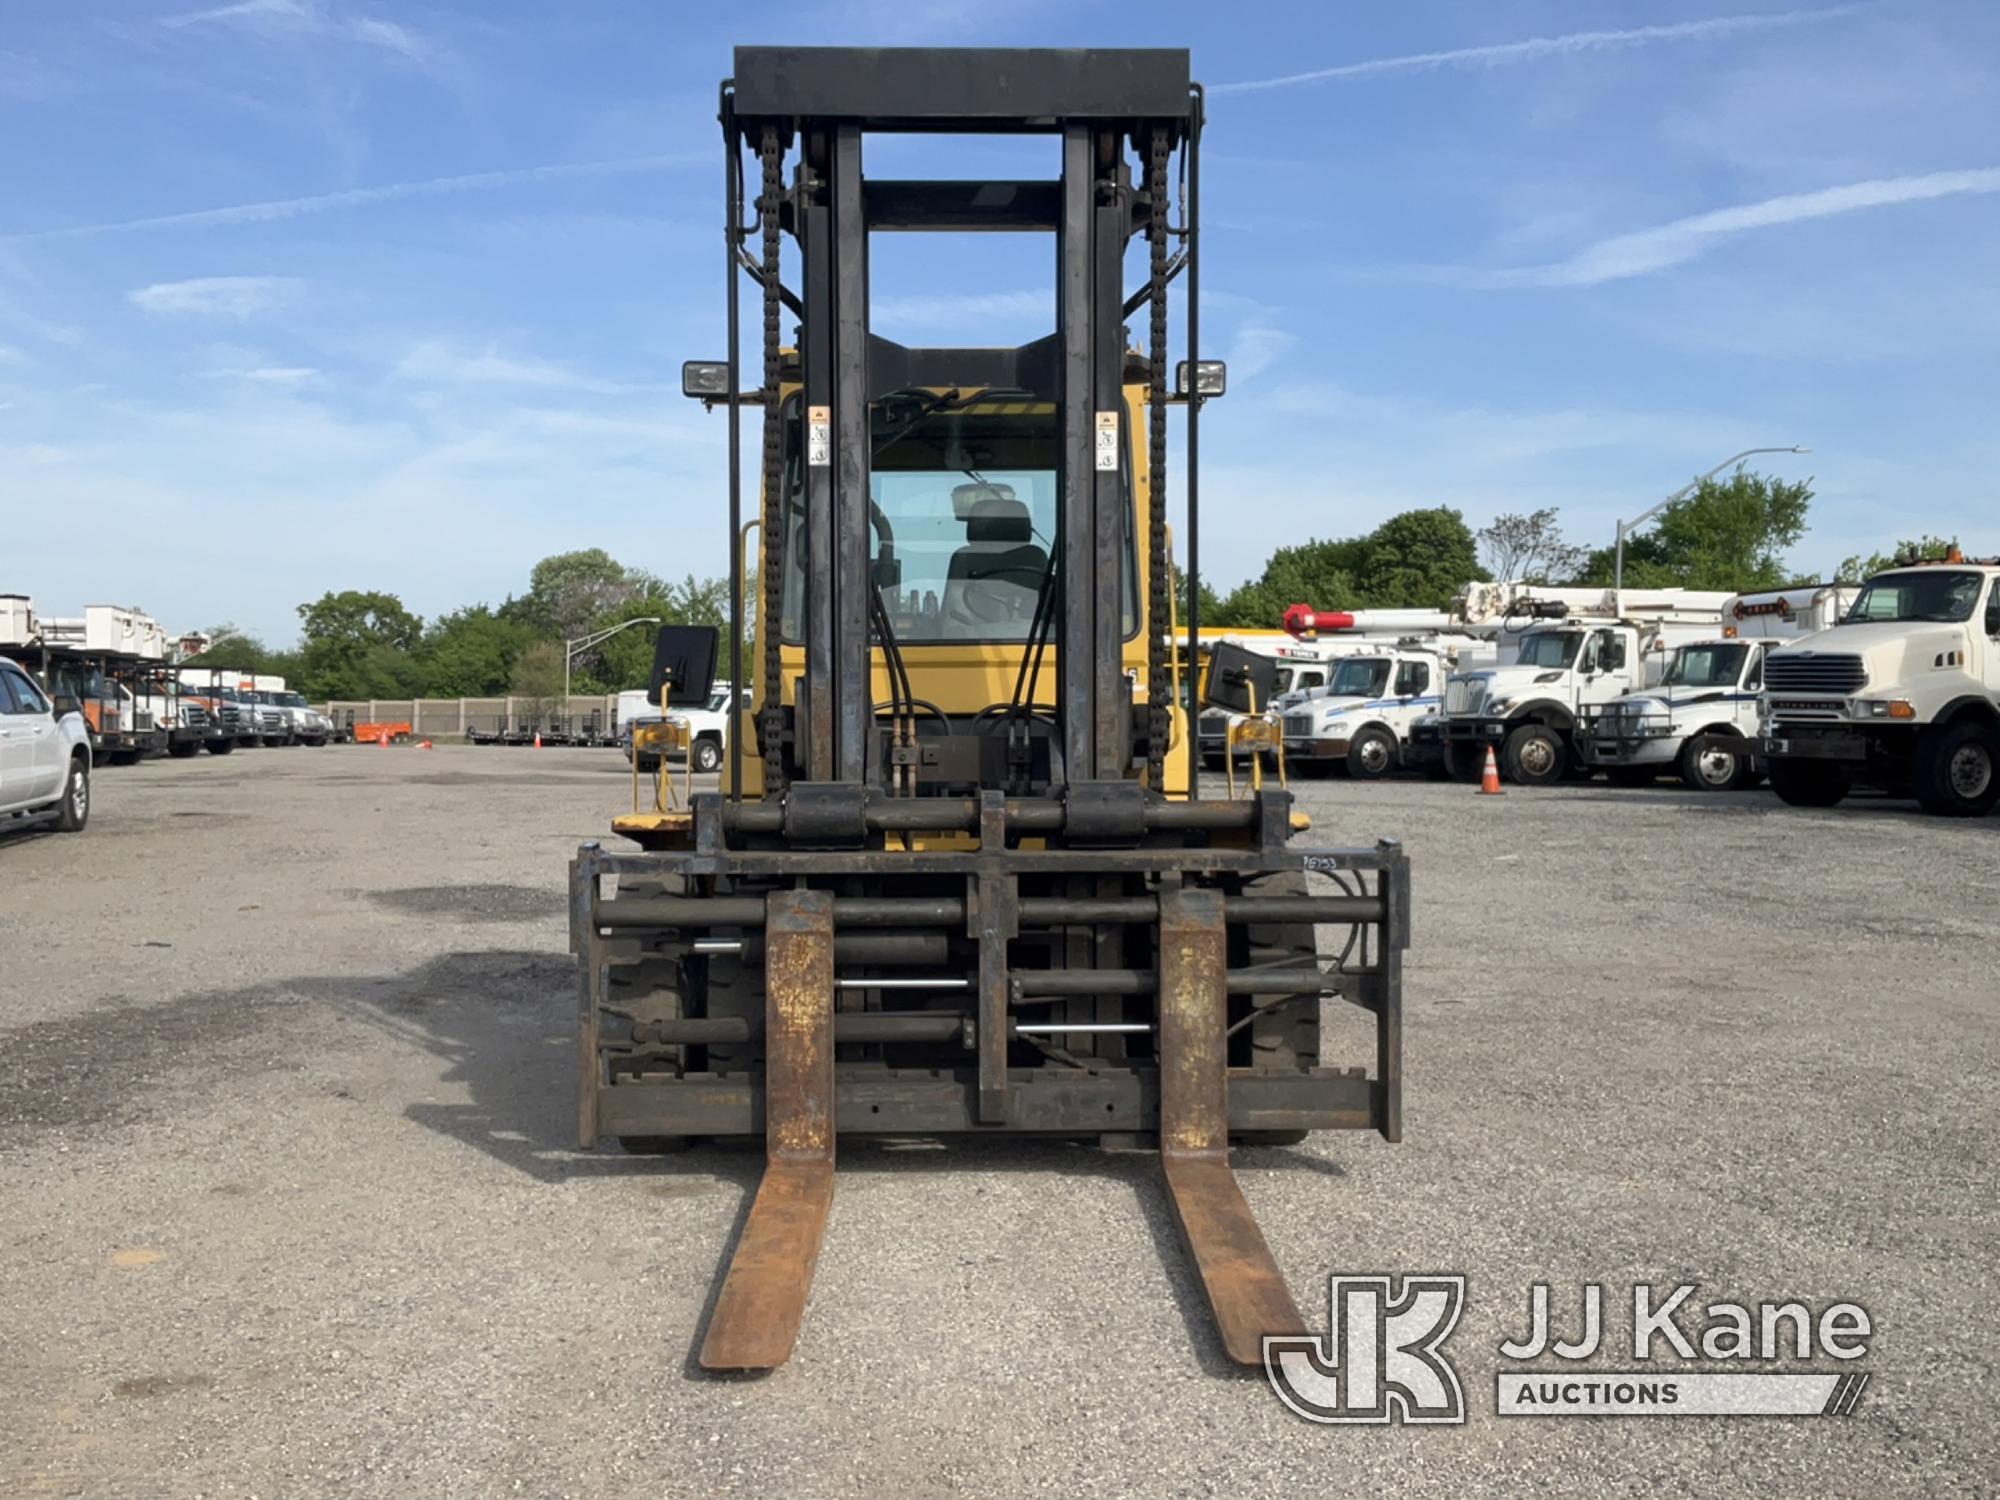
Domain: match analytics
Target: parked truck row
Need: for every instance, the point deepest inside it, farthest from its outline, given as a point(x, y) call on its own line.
point(1892, 685)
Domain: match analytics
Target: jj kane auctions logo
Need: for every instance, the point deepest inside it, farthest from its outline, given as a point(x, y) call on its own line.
point(1382, 1358)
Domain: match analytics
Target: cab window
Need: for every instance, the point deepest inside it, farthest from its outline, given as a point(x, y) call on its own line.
point(1753, 680)
point(20, 696)
point(1993, 611)
point(1412, 677)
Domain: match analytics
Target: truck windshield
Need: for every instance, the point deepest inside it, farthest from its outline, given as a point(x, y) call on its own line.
point(1360, 677)
point(1705, 666)
point(1548, 648)
point(1937, 595)
point(968, 494)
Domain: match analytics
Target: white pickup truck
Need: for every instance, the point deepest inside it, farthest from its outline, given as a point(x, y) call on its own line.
point(1902, 695)
point(708, 726)
point(44, 757)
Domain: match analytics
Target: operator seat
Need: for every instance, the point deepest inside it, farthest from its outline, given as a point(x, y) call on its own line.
point(992, 583)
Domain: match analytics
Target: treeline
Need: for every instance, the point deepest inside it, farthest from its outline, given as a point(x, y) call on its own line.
point(364, 644)
point(1729, 534)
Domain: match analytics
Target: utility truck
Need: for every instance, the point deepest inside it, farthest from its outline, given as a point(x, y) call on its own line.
point(1701, 721)
point(1564, 652)
point(1902, 695)
point(1361, 722)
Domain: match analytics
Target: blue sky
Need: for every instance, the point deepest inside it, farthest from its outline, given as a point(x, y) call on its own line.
point(300, 295)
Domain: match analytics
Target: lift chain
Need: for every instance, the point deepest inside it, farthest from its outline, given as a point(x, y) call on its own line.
point(770, 604)
point(1159, 712)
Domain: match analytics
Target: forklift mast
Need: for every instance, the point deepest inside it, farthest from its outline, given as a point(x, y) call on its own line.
point(817, 106)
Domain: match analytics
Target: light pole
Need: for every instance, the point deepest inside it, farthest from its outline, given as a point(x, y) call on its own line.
point(595, 638)
point(1626, 528)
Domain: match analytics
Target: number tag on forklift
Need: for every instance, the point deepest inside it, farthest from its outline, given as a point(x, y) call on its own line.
point(1107, 442)
point(819, 436)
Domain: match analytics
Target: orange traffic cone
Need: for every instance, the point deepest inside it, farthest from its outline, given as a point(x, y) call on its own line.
point(538, 739)
point(1489, 779)
point(426, 745)
point(384, 741)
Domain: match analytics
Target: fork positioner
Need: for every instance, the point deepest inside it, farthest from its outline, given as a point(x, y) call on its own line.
point(926, 905)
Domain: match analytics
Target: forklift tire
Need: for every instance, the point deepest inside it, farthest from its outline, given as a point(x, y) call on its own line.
point(220, 747)
point(1957, 771)
point(1808, 783)
point(1371, 755)
point(1534, 755)
point(707, 756)
point(1631, 776)
point(1713, 770)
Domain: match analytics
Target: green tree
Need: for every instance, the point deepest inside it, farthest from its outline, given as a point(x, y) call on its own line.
point(470, 653)
point(1418, 559)
point(359, 644)
point(538, 677)
point(571, 590)
point(1925, 549)
point(1730, 534)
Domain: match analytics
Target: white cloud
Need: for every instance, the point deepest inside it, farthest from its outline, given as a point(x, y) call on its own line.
point(214, 296)
point(11, 356)
point(963, 311)
point(273, 209)
point(293, 20)
point(274, 375)
point(1534, 49)
point(443, 364)
point(1646, 250)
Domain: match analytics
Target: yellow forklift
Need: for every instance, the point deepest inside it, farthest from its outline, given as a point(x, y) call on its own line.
point(958, 879)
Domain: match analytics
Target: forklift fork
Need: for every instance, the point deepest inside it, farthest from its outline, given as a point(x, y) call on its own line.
point(1246, 1290)
point(756, 1320)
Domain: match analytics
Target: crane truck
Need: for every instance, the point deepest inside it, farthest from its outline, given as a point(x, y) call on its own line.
point(958, 878)
point(1901, 695)
point(1564, 652)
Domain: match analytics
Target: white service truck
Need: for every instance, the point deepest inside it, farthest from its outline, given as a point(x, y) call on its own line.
point(1701, 721)
point(1902, 695)
point(1362, 720)
point(1564, 652)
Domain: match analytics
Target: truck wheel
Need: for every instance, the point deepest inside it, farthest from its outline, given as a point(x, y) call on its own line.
point(182, 749)
point(1808, 783)
point(1371, 755)
point(1534, 756)
point(1713, 770)
point(1958, 770)
point(75, 806)
point(221, 747)
point(707, 756)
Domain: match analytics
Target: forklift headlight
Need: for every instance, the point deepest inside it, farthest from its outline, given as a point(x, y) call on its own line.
point(704, 380)
point(1211, 378)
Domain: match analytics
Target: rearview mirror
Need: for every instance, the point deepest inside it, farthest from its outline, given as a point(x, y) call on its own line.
point(683, 666)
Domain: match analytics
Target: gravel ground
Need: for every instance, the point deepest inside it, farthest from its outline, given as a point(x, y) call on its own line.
point(288, 1205)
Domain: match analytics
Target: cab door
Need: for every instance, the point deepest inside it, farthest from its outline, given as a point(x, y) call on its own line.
point(31, 765)
point(1989, 649)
